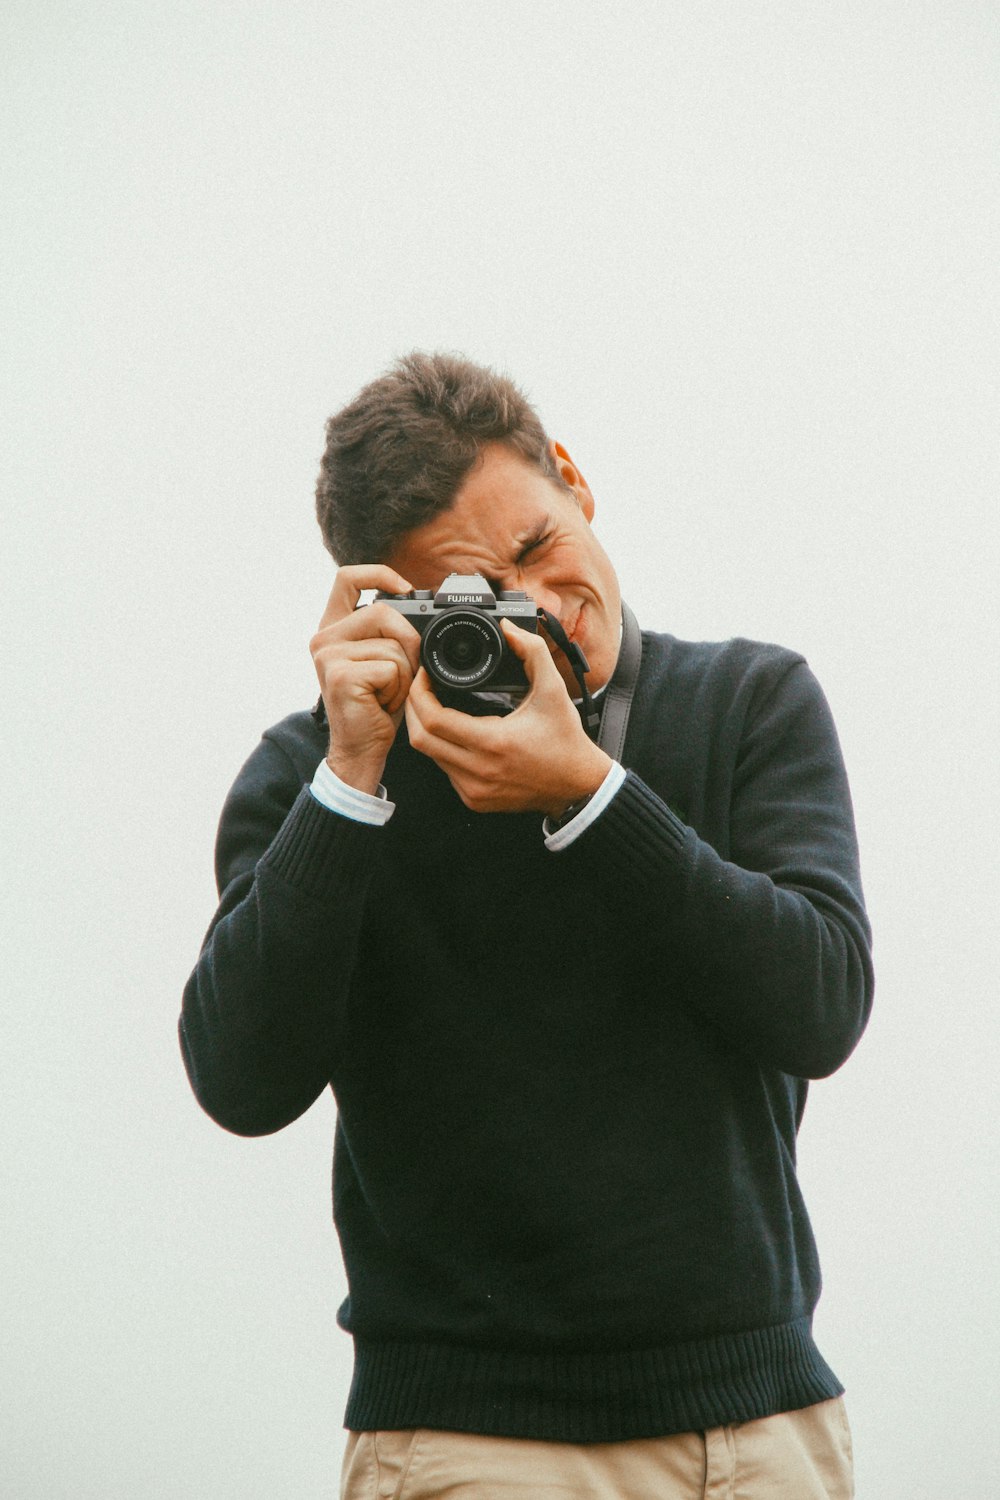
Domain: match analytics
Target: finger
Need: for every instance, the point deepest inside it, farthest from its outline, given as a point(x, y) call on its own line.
point(450, 725)
point(350, 693)
point(351, 679)
point(336, 656)
point(365, 648)
point(458, 743)
point(453, 759)
point(351, 582)
point(531, 649)
point(376, 622)
point(390, 688)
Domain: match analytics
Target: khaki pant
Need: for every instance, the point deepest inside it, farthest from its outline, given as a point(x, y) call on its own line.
point(797, 1455)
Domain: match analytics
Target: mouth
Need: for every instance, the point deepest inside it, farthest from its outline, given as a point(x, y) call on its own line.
point(559, 657)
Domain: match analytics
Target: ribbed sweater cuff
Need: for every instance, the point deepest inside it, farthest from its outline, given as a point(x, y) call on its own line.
point(588, 1398)
point(315, 849)
point(640, 840)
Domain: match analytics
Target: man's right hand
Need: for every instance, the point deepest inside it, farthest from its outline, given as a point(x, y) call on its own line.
point(365, 660)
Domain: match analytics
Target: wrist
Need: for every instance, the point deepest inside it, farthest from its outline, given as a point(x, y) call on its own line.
point(555, 821)
point(364, 775)
point(576, 794)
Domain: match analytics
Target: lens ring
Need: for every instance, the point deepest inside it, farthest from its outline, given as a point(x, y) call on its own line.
point(462, 648)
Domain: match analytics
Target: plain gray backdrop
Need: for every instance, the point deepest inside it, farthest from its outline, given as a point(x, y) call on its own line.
point(743, 257)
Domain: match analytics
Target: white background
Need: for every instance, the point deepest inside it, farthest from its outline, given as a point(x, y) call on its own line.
point(743, 256)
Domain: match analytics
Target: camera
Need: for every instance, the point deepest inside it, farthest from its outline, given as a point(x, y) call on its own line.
point(462, 645)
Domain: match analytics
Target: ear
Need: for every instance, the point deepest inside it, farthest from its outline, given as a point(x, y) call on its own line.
point(570, 475)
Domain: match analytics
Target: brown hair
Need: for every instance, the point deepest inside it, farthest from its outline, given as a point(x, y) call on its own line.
point(397, 454)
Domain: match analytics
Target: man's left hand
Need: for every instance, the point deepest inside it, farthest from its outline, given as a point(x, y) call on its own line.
point(538, 758)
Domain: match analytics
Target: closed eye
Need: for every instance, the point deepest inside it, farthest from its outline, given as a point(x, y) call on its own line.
point(533, 545)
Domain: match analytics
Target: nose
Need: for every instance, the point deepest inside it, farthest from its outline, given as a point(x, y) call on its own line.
point(545, 598)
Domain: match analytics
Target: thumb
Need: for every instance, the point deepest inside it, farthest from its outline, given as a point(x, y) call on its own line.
point(533, 653)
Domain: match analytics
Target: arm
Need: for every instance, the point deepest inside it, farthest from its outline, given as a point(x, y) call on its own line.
point(263, 1010)
point(771, 945)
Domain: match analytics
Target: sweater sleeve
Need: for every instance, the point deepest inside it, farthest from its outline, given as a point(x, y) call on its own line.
point(263, 1009)
point(771, 945)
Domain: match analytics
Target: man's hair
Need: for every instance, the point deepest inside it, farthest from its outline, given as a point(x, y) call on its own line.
point(398, 453)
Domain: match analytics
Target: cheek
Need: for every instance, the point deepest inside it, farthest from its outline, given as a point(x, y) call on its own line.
point(563, 562)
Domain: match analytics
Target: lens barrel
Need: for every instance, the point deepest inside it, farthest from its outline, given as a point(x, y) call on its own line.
point(462, 648)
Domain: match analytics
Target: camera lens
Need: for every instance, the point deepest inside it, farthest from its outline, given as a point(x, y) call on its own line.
point(462, 649)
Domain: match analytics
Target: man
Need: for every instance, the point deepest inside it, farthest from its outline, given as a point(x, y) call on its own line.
point(567, 1004)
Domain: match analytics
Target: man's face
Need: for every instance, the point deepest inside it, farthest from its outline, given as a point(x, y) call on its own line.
point(522, 530)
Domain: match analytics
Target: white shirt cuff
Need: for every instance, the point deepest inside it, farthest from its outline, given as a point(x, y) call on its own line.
point(362, 807)
point(563, 837)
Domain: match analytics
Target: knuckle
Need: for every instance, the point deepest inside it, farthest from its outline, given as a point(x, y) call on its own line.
point(385, 619)
point(321, 637)
point(479, 795)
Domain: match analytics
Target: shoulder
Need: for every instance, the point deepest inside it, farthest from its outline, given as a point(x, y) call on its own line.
point(730, 668)
point(714, 694)
point(264, 791)
point(301, 738)
point(288, 751)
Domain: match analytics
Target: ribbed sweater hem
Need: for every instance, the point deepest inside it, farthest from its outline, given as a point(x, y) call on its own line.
point(610, 1396)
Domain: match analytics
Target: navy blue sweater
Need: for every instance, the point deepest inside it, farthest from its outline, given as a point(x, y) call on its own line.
point(568, 1084)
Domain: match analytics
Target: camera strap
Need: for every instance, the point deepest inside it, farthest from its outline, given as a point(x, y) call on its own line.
point(608, 724)
point(574, 655)
point(621, 689)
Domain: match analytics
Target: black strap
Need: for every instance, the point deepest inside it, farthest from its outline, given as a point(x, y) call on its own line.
point(621, 689)
point(580, 666)
point(615, 706)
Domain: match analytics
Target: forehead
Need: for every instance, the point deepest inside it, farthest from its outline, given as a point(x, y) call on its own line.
point(499, 508)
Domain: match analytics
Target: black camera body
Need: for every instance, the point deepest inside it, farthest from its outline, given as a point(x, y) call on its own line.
point(462, 645)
